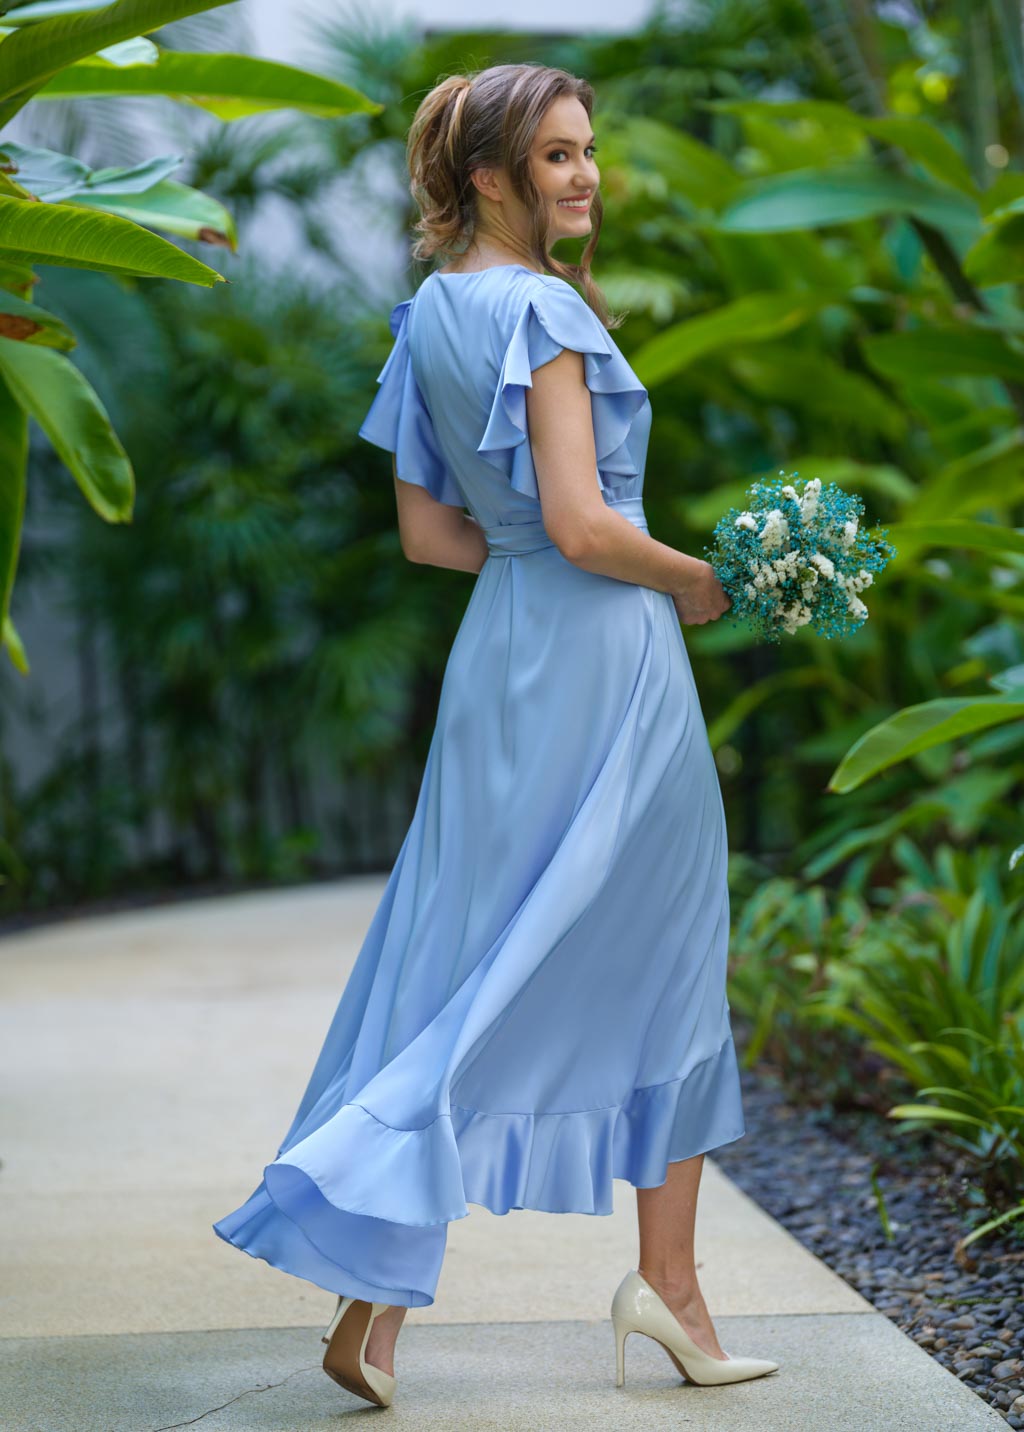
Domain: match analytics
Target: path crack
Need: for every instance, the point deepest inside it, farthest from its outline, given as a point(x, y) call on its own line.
point(247, 1392)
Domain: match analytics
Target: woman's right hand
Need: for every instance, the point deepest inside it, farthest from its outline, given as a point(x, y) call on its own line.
point(703, 599)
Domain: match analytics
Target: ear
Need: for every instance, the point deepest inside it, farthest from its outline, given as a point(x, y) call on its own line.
point(486, 182)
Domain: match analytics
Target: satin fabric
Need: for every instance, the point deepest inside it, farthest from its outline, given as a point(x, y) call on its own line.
point(539, 1004)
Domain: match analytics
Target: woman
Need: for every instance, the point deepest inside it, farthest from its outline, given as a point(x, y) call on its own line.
point(539, 1005)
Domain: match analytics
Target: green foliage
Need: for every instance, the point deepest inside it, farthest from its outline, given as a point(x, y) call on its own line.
point(259, 618)
point(878, 346)
point(62, 50)
point(928, 977)
point(784, 943)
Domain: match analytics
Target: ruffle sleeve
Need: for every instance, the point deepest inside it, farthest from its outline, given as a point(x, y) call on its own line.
point(556, 317)
point(399, 421)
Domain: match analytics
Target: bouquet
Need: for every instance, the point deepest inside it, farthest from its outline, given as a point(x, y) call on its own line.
point(797, 557)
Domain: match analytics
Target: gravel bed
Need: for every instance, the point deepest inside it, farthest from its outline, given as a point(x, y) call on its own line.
point(811, 1170)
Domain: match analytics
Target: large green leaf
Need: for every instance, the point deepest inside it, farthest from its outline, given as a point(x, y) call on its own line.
point(796, 146)
point(683, 164)
point(812, 381)
point(142, 193)
point(17, 277)
point(35, 53)
point(47, 9)
point(13, 464)
point(990, 475)
point(68, 235)
point(10, 187)
point(935, 1114)
point(941, 352)
point(910, 537)
point(998, 256)
point(53, 176)
point(229, 86)
point(12, 644)
point(175, 208)
point(49, 388)
point(28, 323)
point(811, 198)
point(917, 137)
point(749, 319)
point(917, 728)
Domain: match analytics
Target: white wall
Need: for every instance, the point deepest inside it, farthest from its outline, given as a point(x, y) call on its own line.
point(279, 29)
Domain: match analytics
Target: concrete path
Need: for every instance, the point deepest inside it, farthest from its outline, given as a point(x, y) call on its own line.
point(151, 1062)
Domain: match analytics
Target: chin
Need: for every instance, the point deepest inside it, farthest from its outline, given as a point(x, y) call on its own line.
point(581, 225)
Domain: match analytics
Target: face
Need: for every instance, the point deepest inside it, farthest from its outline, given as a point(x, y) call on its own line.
point(564, 169)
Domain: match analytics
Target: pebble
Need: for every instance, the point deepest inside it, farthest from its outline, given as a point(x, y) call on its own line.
point(970, 1321)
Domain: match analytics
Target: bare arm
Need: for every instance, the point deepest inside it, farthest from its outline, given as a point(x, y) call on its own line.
point(434, 532)
point(586, 531)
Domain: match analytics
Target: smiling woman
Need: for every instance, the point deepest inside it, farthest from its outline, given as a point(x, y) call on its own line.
point(538, 1007)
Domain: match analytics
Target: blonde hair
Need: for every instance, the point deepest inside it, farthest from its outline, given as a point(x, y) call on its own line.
point(490, 118)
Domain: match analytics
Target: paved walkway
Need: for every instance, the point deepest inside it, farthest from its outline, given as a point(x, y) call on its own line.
point(151, 1062)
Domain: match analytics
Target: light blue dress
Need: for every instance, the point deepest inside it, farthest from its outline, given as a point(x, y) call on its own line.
point(539, 1005)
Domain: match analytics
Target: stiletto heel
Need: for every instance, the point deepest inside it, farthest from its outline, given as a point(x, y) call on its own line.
point(622, 1328)
point(638, 1308)
point(346, 1338)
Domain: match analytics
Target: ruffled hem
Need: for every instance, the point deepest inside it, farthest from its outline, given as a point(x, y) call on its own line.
point(399, 422)
point(556, 317)
point(366, 1212)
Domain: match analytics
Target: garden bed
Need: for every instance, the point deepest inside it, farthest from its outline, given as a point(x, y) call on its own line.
point(812, 1170)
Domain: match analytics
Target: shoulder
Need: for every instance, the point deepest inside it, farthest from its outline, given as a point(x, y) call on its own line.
point(559, 317)
point(555, 291)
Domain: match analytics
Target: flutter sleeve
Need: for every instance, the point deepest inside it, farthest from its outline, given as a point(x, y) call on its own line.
point(399, 421)
point(556, 317)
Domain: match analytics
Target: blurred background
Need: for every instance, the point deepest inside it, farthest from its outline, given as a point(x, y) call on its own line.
point(814, 215)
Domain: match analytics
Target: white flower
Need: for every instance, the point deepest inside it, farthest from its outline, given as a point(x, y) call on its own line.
point(809, 501)
point(824, 564)
point(750, 590)
point(747, 520)
point(793, 617)
point(849, 533)
point(775, 530)
point(790, 491)
point(863, 579)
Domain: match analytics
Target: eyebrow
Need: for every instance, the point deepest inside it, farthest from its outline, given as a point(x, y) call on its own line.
point(561, 139)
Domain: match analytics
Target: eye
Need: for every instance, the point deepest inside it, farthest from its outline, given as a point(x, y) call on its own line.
point(592, 148)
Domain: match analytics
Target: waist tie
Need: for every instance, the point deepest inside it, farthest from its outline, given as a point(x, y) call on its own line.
point(517, 539)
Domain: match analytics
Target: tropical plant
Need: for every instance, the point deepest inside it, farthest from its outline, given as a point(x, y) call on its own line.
point(58, 211)
point(785, 943)
point(787, 331)
point(936, 988)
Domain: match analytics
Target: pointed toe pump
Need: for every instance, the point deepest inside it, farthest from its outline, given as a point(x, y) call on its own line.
point(637, 1308)
point(344, 1360)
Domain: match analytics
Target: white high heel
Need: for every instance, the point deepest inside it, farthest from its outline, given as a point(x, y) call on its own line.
point(346, 1340)
point(637, 1308)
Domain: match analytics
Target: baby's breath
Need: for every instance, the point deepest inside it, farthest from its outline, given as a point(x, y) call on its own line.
point(797, 556)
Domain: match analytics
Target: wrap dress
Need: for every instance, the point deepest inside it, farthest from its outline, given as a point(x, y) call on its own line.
point(539, 1004)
